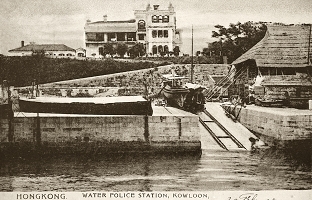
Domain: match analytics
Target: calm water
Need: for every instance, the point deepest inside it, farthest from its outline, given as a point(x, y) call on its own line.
point(213, 170)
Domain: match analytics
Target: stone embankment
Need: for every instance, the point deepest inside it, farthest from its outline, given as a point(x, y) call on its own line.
point(277, 126)
point(60, 133)
point(139, 82)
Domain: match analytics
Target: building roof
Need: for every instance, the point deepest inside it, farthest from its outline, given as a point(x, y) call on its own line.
point(80, 49)
point(108, 22)
point(43, 47)
point(111, 26)
point(282, 46)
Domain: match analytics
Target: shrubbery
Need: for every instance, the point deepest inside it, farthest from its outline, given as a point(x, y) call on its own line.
point(21, 71)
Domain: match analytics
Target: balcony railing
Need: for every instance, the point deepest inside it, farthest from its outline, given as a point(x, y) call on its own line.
point(111, 42)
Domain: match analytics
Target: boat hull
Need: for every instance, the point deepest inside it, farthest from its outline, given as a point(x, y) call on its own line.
point(176, 97)
point(113, 108)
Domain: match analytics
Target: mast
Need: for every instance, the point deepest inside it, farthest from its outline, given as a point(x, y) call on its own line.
point(192, 67)
point(309, 47)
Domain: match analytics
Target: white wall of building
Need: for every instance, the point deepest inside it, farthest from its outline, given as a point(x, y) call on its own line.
point(20, 53)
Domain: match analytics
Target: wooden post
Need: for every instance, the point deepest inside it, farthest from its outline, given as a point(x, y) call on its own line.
point(309, 47)
point(192, 66)
point(180, 128)
point(38, 132)
point(10, 113)
point(146, 131)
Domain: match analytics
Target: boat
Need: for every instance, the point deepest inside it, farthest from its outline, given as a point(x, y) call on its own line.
point(186, 96)
point(270, 102)
point(121, 105)
point(173, 90)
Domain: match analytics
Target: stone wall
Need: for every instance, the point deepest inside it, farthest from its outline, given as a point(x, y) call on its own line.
point(129, 83)
point(102, 133)
point(279, 124)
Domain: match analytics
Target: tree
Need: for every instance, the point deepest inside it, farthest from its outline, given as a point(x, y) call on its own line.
point(137, 50)
point(108, 49)
point(176, 50)
point(121, 49)
point(235, 40)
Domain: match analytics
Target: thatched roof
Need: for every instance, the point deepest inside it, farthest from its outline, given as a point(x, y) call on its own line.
point(282, 46)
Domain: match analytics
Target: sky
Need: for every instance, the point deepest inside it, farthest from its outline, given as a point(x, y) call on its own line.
point(62, 21)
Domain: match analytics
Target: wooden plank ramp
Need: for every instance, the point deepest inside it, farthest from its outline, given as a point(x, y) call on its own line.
point(228, 134)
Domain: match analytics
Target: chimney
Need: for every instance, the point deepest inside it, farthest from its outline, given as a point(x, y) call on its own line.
point(22, 43)
point(105, 18)
point(156, 7)
point(148, 7)
point(170, 8)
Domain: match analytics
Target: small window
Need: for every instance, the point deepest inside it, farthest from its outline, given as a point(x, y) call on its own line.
point(141, 24)
point(160, 49)
point(166, 49)
point(69, 54)
point(160, 33)
point(166, 19)
point(154, 49)
point(61, 54)
point(141, 36)
point(160, 18)
point(154, 18)
point(165, 33)
point(154, 33)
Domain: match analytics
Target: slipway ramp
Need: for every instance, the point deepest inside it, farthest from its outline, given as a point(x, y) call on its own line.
point(217, 123)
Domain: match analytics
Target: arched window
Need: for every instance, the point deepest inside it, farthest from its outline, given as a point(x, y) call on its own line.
point(160, 33)
point(141, 24)
point(154, 49)
point(166, 49)
point(166, 19)
point(160, 18)
point(154, 18)
point(160, 49)
point(154, 33)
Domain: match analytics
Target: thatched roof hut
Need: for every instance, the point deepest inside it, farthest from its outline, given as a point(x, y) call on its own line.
point(282, 47)
point(284, 57)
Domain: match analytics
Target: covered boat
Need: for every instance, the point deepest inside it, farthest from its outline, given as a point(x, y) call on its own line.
point(186, 96)
point(121, 105)
point(174, 91)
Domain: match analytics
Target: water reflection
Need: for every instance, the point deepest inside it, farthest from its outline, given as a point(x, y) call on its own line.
point(214, 170)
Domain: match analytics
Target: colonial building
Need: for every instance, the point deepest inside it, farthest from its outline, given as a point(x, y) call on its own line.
point(153, 27)
point(49, 50)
